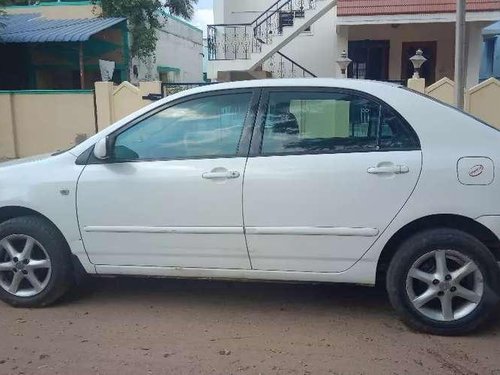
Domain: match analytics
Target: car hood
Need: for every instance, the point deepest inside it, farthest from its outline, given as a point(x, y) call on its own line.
point(28, 160)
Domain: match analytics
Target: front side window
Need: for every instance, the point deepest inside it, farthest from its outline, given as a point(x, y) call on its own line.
point(204, 127)
point(322, 122)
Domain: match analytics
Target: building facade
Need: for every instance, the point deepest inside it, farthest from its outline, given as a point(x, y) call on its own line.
point(178, 57)
point(179, 51)
point(42, 53)
point(379, 36)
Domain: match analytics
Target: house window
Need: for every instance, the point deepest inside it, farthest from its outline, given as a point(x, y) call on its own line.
point(308, 31)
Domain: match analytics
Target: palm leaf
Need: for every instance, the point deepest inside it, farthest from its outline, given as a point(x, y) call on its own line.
point(181, 8)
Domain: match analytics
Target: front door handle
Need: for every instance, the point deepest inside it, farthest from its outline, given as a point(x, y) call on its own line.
point(389, 169)
point(220, 174)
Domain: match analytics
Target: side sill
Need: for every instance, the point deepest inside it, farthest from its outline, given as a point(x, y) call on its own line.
point(361, 273)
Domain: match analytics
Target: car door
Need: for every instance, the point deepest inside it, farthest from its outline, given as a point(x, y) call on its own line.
point(327, 172)
point(171, 193)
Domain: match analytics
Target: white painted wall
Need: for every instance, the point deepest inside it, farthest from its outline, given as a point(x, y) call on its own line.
point(180, 45)
point(239, 11)
point(319, 50)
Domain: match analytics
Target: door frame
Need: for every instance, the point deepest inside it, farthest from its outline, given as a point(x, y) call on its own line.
point(87, 157)
point(258, 129)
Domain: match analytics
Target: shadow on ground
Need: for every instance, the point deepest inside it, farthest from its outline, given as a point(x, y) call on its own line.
point(207, 291)
point(340, 299)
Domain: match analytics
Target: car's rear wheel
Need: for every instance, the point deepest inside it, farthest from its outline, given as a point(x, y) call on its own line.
point(443, 281)
point(35, 262)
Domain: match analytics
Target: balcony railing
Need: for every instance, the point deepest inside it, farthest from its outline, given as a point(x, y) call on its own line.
point(280, 15)
point(231, 42)
point(239, 41)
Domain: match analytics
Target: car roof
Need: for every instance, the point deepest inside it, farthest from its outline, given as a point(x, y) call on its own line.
point(355, 84)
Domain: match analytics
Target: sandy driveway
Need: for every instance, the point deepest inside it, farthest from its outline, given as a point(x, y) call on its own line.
point(136, 326)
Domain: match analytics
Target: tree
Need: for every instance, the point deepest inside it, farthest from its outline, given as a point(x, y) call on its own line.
point(2, 4)
point(181, 8)
point(144, 17)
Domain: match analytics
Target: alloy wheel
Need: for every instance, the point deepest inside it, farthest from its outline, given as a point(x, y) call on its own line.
point(444, 285)
point(25, 267)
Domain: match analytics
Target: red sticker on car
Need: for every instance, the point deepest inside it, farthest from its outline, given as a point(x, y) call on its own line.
point(476, 170)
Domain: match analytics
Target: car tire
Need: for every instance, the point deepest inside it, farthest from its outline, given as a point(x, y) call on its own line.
point(446, 311)
point(40, 276)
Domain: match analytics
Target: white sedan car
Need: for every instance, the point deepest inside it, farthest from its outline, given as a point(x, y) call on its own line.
point(310, 180)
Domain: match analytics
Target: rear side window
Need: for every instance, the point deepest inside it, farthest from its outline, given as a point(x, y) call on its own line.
point(328, 122)
point(395, 134)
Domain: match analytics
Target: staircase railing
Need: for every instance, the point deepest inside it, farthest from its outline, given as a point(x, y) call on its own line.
point(239, 41)
point(231, 42)
point(281, 66)
point(281, 14)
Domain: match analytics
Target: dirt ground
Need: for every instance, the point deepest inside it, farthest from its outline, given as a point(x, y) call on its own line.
point(153, 326)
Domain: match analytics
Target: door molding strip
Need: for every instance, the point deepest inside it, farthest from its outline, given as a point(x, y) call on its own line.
point(276, 231)
point(314, 231)
point(168, 230)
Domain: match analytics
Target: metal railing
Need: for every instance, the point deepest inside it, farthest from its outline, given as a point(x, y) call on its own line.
point(279, 15)
point(239, 41)
point(231, 42)
point(281, 66)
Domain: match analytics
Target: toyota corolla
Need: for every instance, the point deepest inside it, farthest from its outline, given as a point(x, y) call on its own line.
point(310, 180)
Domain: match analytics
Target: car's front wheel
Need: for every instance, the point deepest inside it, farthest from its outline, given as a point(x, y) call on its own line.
point(443, 281)
point(35, 263)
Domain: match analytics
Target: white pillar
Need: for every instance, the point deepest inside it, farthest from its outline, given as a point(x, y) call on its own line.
point(342, 45)
point(473, 53)
point(417, 84)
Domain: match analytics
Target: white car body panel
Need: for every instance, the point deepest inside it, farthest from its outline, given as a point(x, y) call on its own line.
point(307, 193)
point(46, 184)
point(163, 213)
point(49, 187)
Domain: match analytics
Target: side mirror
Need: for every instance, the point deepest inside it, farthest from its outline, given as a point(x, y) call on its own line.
point(101, 149)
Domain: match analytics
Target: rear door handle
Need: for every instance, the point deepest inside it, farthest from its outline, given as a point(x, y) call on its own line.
point(389, 169)
point(220, 175)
